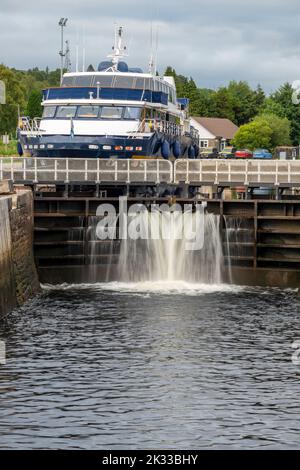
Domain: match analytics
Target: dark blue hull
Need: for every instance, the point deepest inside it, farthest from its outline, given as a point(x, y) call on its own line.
point(59, 146)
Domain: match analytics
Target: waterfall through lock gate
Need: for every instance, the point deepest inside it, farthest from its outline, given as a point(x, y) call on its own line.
point(167, 250)
point(161, 246)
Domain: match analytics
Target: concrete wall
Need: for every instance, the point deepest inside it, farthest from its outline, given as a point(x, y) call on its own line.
point(18, 276)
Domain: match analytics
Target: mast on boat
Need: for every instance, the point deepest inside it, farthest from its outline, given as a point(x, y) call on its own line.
point(119, 51)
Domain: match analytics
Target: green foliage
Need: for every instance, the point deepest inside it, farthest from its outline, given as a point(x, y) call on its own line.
point(237, 101)
point(22, 91)
point(245, 101)
point(253, 135)
point(276, 115)
point(34, 108)
point(283, 98)
point(9, 150)
point(265, 131)
point(280, 128)
point(272, 107)
point(224, 104)
point(203, 103)
point(15, 95)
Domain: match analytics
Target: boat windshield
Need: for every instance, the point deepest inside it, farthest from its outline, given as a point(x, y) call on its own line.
point(66, 111)
point(49, 111)
point(132, 113)
point(88, 111)
point(111, 112)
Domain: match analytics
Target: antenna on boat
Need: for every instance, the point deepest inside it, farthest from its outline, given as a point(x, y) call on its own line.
point(77, 52)
point(83, 48)
point(119, 51)
point(151, 61)
point(62, 23)
point(156, 50)
point(68, 57)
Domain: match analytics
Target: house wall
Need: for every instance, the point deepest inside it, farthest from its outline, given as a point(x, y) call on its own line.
point(203, 133)
point(206, 136)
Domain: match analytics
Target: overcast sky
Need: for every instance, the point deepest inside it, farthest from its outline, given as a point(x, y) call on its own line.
point(213, 41)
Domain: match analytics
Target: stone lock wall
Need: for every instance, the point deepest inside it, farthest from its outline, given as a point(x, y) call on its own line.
point(18, 276)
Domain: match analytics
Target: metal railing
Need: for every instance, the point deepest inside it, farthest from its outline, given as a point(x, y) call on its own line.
point(30, 126)
point(208, 172)
point(152, 125)
point(242, 172)
point(72, 170)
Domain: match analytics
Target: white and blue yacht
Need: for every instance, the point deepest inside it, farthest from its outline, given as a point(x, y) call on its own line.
point(114, 112)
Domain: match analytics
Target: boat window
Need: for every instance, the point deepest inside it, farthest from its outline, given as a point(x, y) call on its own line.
point(111, 112)
point(124, 82)
point(104, 81)
point(66, 112)
point(88, 111)
point(151, 84)
point(49, 111)
point(147, 84)
point(157, 86)
point(140, 83)
point(68, 81)
point(132, 113)
point(84, 80)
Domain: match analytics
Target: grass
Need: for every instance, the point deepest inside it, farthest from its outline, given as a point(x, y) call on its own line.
point(9, 150)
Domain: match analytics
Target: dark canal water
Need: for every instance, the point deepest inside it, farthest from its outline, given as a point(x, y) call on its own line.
point(151, 366)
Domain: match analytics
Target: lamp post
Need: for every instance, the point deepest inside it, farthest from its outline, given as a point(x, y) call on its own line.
point(62, 23)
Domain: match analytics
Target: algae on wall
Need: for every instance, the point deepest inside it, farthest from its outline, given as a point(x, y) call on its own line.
point(7, 286)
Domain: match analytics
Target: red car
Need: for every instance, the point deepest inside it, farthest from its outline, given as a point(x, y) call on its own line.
point(244, 153)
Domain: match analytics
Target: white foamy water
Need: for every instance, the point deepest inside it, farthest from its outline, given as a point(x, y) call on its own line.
point(152, 287)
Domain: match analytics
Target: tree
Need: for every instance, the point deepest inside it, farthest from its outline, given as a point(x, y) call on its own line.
point(15, 97)
point(280, 128)
point(237, 101)
point(253, 135)
point(224, 104)
point(203, 103)
point(283, 97)
point(245, 102)
point(265, 131)
point(259, 98)
point(34, 108)
point(272, 107)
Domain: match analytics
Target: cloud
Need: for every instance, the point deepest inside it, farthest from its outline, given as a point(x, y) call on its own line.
point(214, 40)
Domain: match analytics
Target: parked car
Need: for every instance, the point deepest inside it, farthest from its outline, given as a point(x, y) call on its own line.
point(209, 152)
point(227, 152)
point(244, 153)
point(263, 154)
